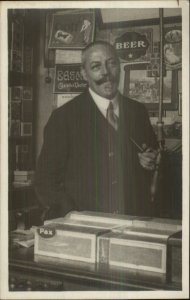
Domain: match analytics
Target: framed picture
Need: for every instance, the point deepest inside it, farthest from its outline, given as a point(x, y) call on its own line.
point(173, 47)
point(27, 93)
point(144, 88)
point(72, 30)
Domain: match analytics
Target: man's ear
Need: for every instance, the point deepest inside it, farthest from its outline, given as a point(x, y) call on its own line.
point(83, 73)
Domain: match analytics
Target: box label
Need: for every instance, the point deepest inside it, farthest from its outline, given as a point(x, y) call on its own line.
point(46, 232)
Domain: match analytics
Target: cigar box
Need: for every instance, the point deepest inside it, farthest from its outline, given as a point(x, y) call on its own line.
point(158, 223)
point(107, 218)
point(133, 251)
point(174, 265)
point(151, 233)
point(67, 242)
point(26, 128)
point(81, 223)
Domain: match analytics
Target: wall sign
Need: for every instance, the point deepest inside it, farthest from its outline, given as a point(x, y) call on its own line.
point(131, 45)
point(68, 79)
point(68, 56)
point(72, 30)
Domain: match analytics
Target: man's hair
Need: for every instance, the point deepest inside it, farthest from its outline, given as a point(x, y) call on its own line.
point(97, 43)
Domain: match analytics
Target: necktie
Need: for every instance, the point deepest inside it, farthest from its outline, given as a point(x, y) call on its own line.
point(111, 116)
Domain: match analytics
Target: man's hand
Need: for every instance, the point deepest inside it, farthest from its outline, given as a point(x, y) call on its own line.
point(147, 158)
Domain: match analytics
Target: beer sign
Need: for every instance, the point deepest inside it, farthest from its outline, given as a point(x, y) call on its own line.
point(131, 45)
point(68, 79)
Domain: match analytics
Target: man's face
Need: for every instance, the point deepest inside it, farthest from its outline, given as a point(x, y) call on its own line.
point(101, 70)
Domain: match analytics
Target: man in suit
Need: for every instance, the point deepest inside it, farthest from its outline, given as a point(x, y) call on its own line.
point(90, 159)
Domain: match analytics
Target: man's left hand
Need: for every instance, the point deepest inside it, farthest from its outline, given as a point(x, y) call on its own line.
point(147, 159)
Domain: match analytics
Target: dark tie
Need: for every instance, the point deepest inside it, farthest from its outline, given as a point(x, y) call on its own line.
point(111, 116)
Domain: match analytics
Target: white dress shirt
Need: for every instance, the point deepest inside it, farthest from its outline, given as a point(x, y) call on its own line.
point(103, 103)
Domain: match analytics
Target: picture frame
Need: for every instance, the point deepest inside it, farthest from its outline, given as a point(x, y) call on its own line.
point(173, 47)
point(139, 86)
point(72, 30)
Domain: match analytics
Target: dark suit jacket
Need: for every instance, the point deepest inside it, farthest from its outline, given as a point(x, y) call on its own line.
point(73, 170)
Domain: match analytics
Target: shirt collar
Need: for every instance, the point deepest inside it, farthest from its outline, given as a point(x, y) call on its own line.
point(102, 102)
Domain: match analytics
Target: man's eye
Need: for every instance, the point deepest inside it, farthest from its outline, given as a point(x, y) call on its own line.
point(95, 67)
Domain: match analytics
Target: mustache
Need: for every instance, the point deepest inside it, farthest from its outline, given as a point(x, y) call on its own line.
point(104, 79)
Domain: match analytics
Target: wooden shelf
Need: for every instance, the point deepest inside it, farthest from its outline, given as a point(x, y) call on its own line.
point(21, 34)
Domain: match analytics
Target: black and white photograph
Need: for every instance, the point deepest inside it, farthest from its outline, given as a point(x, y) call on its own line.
point(94, 150)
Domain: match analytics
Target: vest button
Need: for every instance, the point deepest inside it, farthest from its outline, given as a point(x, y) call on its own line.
point(111, 154)
point(114, 182)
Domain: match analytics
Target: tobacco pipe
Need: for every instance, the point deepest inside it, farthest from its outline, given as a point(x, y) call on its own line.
point(154, 184)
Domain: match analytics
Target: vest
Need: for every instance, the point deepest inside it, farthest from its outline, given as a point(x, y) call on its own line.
point(108, 159)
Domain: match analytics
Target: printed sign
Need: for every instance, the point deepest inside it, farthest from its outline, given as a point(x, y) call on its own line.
point(131, 45)
point(72, 30)
point(68, 79)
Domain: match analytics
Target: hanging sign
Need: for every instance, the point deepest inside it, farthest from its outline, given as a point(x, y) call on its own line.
point(68, 79)
point(131, 45)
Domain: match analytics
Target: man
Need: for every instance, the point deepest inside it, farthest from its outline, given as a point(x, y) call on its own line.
point(90, 159)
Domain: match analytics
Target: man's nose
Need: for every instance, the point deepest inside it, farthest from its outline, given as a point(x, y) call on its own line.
point(104, 69)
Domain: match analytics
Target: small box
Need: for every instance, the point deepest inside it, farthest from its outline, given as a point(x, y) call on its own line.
point(27, 93)
point(132, 252)
point(175, 258)
point(151, 233)
point(16, 61)
point(23, 176)
point(67, 242)
point(15, 128)
point(26, 129)
point(109, 218)
point(27, 111)
point(99, 220)
point(158, 223)
point(27, 60)
point(81, 223)
point(16, 93)
point(24, 173)
point(15, 110)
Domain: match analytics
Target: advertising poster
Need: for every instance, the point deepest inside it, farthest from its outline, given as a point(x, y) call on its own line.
point(68, 79)
point(72, 30)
